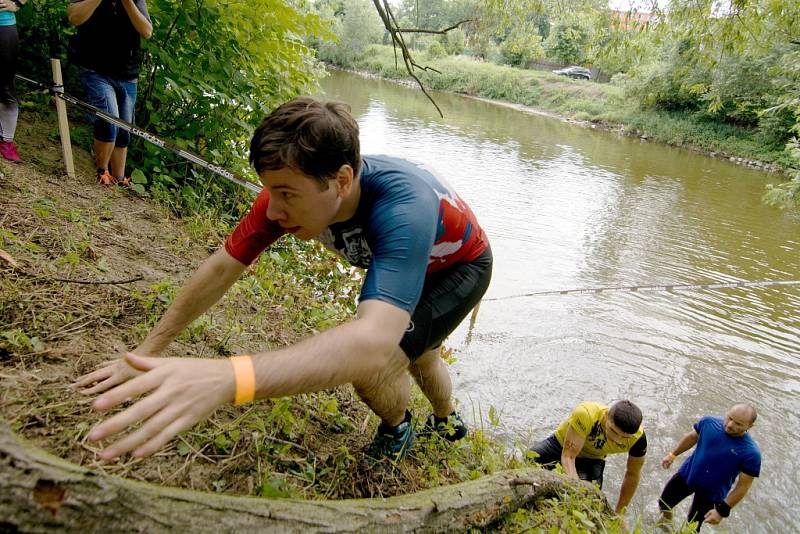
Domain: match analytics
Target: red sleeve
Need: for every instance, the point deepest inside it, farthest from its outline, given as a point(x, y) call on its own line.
point(254, 233)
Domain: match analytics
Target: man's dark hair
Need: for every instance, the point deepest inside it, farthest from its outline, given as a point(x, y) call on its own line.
point(626, 415)
point(312, 136)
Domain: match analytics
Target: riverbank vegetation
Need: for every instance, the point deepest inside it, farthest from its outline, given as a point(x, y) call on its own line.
point(723, 80)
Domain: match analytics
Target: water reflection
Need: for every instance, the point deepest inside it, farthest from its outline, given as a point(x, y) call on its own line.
point(567, 207)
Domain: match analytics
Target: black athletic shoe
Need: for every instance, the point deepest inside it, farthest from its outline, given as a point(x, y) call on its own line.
point(451, 428)
point(392, 442)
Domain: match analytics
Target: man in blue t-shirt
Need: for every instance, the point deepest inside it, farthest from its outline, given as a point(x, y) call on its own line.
point(724, 451)
point(427, 261)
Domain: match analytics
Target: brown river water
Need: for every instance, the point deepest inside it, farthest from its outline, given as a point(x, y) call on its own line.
point(570, 207)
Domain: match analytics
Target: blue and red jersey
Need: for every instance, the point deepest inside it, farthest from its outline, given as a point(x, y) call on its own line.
point(409, 223)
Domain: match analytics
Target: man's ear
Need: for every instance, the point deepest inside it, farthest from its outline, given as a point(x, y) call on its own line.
point(344, 180)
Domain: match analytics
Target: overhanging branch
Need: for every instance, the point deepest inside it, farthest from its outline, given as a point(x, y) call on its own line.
point(439, 32)
point(390, 23)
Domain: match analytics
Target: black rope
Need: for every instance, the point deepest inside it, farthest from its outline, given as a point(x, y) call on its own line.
point(671, 287)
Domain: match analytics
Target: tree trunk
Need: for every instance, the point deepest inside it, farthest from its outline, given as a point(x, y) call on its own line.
point(42, 493)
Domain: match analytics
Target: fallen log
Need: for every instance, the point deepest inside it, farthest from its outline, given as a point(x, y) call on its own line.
point(42, 493)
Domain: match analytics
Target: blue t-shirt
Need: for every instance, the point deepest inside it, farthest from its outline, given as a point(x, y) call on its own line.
point(409, 224)
point(7, 18)
point(718, 459)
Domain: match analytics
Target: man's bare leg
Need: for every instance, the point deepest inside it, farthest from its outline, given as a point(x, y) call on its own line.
point(388, 392)
point(430, 373)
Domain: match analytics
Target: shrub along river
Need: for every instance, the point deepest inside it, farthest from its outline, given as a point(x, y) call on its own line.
point(570, 207)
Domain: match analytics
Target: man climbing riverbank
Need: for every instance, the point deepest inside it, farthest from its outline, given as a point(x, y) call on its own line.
point(428, 264)
point(724, 451)
point(592, 432)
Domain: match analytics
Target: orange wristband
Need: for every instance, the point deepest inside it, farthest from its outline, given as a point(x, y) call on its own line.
point(245, 379)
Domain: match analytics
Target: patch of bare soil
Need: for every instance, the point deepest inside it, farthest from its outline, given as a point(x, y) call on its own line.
point(84, 273)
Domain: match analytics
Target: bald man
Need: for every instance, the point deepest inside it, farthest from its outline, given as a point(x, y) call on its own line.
point(724, 452)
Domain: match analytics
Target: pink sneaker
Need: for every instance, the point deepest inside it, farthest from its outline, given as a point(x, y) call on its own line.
point(9, 151)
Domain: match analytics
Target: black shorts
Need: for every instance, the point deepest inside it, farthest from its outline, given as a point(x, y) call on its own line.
point(675, 491)
point(549, 451)
point(447, 297)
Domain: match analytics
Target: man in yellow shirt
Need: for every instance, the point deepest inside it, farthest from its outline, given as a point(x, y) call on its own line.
point(593, 431)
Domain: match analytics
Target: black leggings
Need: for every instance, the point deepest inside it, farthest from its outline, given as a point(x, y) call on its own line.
point(9, 48)
point(677, 490)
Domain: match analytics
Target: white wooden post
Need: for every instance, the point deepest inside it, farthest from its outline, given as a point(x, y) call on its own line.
point(63, 124)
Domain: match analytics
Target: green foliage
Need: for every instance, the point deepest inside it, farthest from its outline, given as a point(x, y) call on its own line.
point(787, 195)
point(434, 14)
point(17, 340)
point(216, 67)
point(733, 63)
point(356, 26)
point(567, 42)
point(523, 45)
point(454, 41)
point(436, 50)
point(43, 32)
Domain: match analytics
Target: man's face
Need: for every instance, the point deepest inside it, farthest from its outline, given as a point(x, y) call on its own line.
point(613, 432)
point(737, 422)
point(298, 205)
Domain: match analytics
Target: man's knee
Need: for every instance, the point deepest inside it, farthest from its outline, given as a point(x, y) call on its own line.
point(427, 364)
point(104, 131)
point(369, 385)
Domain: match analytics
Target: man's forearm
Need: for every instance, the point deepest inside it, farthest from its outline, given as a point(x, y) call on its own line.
point(739, 490)
point(80, 12)
point(568, 463)
point(204, 289)
point(355, 351)
point(627, 490)
point(139, 21)
point(687, 442)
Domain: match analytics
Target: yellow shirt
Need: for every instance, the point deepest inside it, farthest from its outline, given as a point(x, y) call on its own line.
point(587, 420)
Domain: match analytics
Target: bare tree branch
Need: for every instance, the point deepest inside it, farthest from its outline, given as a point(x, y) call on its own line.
point(440, 32)
point(390, 23)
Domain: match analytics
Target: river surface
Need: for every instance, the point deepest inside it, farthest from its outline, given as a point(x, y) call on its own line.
point(570, 207)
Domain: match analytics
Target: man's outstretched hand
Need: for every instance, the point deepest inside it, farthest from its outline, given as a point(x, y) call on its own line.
point(180, 392)
point(106, 376)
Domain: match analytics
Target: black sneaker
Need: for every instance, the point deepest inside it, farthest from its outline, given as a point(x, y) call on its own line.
point(451, 428)
point(392, 442)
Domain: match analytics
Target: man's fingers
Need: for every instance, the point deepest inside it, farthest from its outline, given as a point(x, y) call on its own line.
point(106, 384)
point(163, 418)
point(130, 389)
point(91, 378)
point(140, 411)
point(102, 372)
